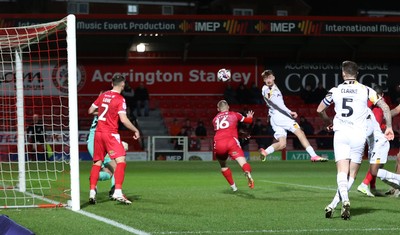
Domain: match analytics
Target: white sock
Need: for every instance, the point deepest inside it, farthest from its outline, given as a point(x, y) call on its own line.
point(337, 198)
point(343, 186)
point(270, 150)
point(92, 193)
point(335, 201)
point(118, 192)
point(350, 183)
point(384, 174)
point(310, 150)
point(233, 187)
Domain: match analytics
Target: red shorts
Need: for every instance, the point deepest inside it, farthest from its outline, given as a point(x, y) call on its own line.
point(107, 143)
point(227, 147)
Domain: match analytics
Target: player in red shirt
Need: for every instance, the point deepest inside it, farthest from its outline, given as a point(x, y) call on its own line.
point(110, 107)
point(370, 177)
point(226, 142)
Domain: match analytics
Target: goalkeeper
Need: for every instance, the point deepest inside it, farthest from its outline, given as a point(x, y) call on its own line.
point(108, 166)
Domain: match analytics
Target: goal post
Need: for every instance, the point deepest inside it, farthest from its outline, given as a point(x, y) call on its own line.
point(39, 149)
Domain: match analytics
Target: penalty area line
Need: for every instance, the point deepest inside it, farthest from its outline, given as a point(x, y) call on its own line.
point(298, 185)
point(112, 222)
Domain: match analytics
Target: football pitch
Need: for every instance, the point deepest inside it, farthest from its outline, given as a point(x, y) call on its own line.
point(193, 198)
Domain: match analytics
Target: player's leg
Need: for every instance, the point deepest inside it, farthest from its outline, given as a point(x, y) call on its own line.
point(280, 135)
point(98, 157)
point(237, 154)
point(393, 191)
point(343, 150)
point(247, 170)
point(377, 153)
point(105, 174)
point(342, 181)
point(364, 186)
point(329, 209)
point(119, 173)
point(226, 172)
point(356, 144)
point(107, 170)
point(307, 146)
point(111, 165)
point(94, 177)
point(389, 178)
point(398, 163)
point(370, 179)
point(372, 184)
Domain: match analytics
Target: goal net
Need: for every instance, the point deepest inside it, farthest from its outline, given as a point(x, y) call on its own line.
point(38, 116)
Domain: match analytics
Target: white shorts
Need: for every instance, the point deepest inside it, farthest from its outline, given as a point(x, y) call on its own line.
point(282, 124)
point(378, 151)
point(349, 144)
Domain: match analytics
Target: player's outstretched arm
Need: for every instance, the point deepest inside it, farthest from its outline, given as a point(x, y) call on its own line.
point(386, 112)
point(388, 118)
point(250, 114)
point(249, 117)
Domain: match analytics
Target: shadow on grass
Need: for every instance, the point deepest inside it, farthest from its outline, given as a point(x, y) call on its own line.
point(244, 194)
point(104, 198)
point(240, 193)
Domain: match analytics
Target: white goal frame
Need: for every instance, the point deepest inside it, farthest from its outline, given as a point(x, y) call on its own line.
point(74, 203)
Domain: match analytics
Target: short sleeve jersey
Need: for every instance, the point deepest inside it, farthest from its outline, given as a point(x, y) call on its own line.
point(225, 124)
point(274, 99)
point(109, 104)
point(351, 104)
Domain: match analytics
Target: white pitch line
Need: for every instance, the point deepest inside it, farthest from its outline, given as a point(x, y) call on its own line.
point(113, 223)
point(346, 230)
point(96, 217)
point(299, 185)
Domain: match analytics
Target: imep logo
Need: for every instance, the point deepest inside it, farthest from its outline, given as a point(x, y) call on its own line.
point(60, 77)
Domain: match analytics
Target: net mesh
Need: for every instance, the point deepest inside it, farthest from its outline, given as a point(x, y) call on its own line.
point(45, 117)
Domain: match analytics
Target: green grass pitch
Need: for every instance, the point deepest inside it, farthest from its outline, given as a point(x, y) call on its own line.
point(193, 198)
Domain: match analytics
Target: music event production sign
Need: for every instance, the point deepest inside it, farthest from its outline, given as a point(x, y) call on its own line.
point(220, 25)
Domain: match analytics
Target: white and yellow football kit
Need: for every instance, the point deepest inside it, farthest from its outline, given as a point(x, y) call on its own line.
point(280, 118)
point(350, 121)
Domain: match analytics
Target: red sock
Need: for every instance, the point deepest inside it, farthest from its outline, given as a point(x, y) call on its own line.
point(94, 176)
point(119, 174)
point(372, 183)
point(246, 167)
point(368, 178)
point(228, 176)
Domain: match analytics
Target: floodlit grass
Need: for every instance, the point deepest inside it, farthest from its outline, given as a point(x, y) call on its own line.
point(194, 198)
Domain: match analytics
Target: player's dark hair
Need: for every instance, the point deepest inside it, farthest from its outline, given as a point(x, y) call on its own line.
point(117, 79)
point(350, 68)
point(266, 73)
point(378, 89)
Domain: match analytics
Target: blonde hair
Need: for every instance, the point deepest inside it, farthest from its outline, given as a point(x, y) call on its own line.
point(266, 73)
point(222, 105)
